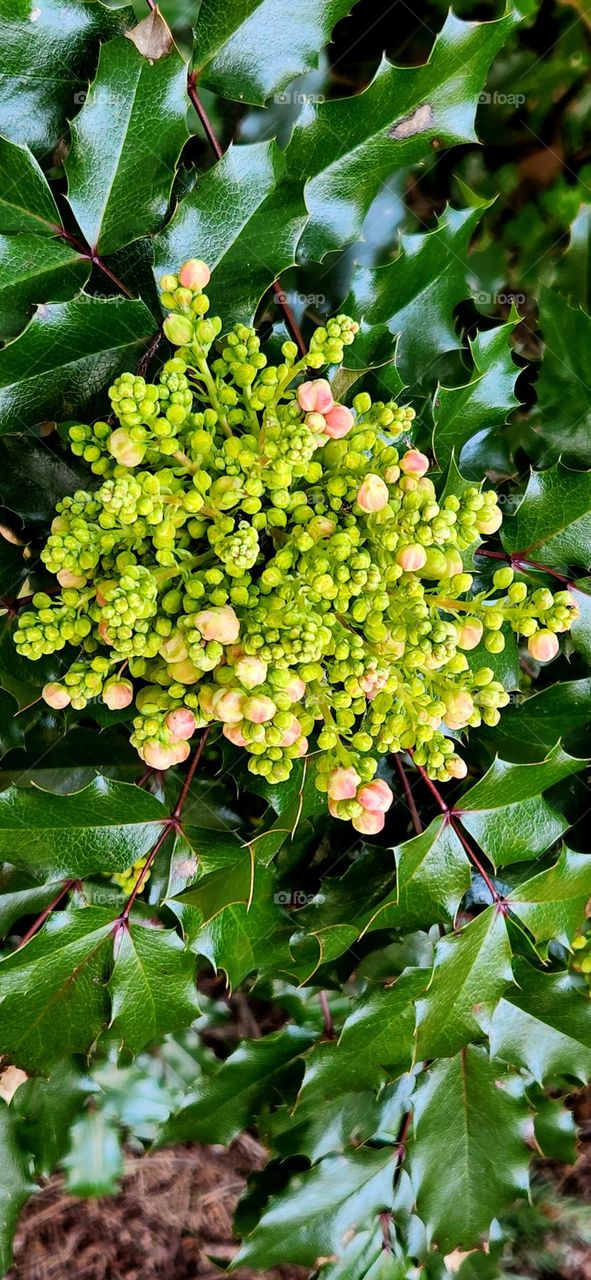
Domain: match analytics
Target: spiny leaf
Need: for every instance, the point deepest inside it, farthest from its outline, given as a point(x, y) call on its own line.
point(26, 200)
point(312, 1217)
point(245, 217)
point(552, 524)
point(482, 404)
point(34, 269)
point(485, 1147)
point(250, 49)
point(552, 904)
point(121, 164)
point(346, 149)
point(105, 827)
point(66, 356)
point(543, 1025)
point(432, 875)
point(563, 384)
point(538, 722)
point(152, 985)
point(471, 970)
point(224, 1104)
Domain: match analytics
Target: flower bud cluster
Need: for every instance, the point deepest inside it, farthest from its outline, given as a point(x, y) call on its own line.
point(260, 556)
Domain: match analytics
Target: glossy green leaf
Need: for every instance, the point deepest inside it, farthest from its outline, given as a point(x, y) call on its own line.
point(33, 270)
point(555, 1130)
point(48, 52)
point(573, 272)
point(543, 1024)
point(552, 904)
point(415, 295)
point(506, 812)
point(224, 1104)
point(250, 49)
point(312, 1217)
point(152, 985)
point(471, 971)
point(26, 200)
point(46, 1108)
point(106, 827)
point(540, 720)
point(66, 356)
point(552, 525)
point(15, 1184)
point(346, 149)
point(244, 218)
point(33, 480)
point(53, 998)
point(484, 1146)
point(432, 875)
point(562, 386)
point(482, 404)
point(24, 902)
point(250, 936)
point(94, 1161)
point(120, 168)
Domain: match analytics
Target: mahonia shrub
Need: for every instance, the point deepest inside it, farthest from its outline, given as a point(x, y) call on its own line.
point(261, 557)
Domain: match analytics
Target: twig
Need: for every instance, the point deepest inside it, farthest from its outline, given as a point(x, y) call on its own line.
point(326, 1015)
point(452, 818)
point(190, 775)
point(408, 795)
point(42, 917)
point(91, 255)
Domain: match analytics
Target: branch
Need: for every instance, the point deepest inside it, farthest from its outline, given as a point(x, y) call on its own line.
point(91, 255)
point(408, 795)
point(452, 818)
point(42, 917)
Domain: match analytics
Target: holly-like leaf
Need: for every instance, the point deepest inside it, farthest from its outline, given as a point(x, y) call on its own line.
point(538, 722)
point(312, 1217)
point(48, 52)
point(26, 200)
point(224, 1104)
point(120, 168)
point(34, 269)
point(106, 827)
point(562, 386)
point(46, 1108)
point(543, 1024)
point(94, 1161)
point(15, 1184)
point(552, 525)
point(346, 149)
point(250, 49)
point(152, 985)
point(34, 479)
point(415, 296)
point(245, 218)
point(52, 992)
point(471, 971)
point(25, 901)
point(246, 936)
point(506, 811)
point(485, 1146)
point(552, 904)
point(482, 404)
point(66, 356)
point(432, 875)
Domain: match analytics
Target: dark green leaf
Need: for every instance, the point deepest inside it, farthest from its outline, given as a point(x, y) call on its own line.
point(106, 827)
point(66, 356)
point(543, 1024)
point(552, 904)
point(459, 413)
point(26, 200)
point(552, 525)
point(539, 721)
point(432, 875)
point(46, 1109)
point(152, 985)
point(121, 164)
point(484, 1146)
point(472, 969)
point(563, 385)
point(15, 1185)
point(32, 270)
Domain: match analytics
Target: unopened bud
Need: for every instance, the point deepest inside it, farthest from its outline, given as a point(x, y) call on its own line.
point(251, 671)
point(315, 396)
point(412, 558)
point(174, 648)
point(369, 822)
point(316, 423)
point(470, 633)
point(456, 767)
point(543, 646)
point(339, 421)
point(373, 494)
point(218, 624)
point(127, 452)
point(295, 689)
point(228, 705)
point(194, 275)
point(376, 796)
point(56, 696)
point(458, 709)
point(414, 463)
point(118, 694)
point(491, 522)
point(292, 734)
point(234, 734)
point(181, 723)
point(343, 783)
point(178, 329)
point(160, 757)
point(67, 579)
point(259, 709)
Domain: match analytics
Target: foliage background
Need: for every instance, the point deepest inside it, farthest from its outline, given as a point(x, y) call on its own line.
point(413, 1130)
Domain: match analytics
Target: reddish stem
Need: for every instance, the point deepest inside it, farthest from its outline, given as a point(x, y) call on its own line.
point(326, 1015)
point(451, 817)
point(519, 560)
point(92, 256)
point(175, 816)
point(408, 795)
point(431, 785)
point(40, 921)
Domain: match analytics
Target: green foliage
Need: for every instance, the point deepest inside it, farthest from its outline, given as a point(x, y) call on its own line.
point(401, 1007)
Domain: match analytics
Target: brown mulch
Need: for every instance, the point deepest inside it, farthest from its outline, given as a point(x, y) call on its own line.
point(175, 1207)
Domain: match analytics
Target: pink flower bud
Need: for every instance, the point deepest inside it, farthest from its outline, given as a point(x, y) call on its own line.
point(104, 633)
point(194, 275)
point(491, 522)
point(373, 494)
point(375, 796)
point(333, 808)
point(372, 682)
point(251, 671)
point(174, 648)
point(392, 474)
point(67, 579)
point(412, 558)
point(181, 723)
point(456, 767)
point(158, 756)
point(259, 709)
point(234, 734)
point(343, 783)
point(295, 689)
point(56, 696)
point(316, 423)
point(178, 329)
point(470, 633)
point(414, 463)
point(118, 694)
point(543, 646)
point(315, 396)
point(127, 452)
point(458, 709)
point(339, 421)
point(228, 705)
point(292, 734)
point(184, 672)
point(370, 822)
point(218, 624)
point(303, 748)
